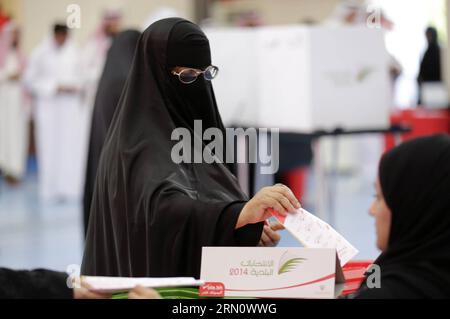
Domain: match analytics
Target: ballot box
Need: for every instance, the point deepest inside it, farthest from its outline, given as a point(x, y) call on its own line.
point(301, 79)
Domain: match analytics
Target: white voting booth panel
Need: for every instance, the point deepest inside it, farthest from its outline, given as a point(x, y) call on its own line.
point(233, 51)
point(301, 79)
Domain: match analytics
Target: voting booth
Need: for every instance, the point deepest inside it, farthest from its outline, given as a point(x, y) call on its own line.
point(301, 79)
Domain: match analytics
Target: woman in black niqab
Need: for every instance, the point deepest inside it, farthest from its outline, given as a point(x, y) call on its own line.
point(430, 65)
point(415, 182)
point(149, 215)
point(117, 66)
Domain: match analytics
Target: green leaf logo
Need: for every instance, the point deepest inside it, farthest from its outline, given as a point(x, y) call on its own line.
point(363, 74)
point(290, 265)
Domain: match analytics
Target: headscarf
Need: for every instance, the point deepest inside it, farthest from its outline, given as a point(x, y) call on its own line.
point(415, 181)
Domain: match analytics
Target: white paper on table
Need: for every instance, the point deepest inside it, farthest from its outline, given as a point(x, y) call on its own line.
point(121, 284)
point(312, 232)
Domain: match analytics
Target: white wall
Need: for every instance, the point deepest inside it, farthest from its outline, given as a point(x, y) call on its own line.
point(37, 16)
point(278, 11)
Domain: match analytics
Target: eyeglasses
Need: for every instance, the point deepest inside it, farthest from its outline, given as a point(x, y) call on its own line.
point(189, 75)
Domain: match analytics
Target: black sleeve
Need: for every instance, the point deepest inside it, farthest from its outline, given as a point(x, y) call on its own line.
point(179, 228)
point(36, 284)
point(248, 235)
point(391, 288)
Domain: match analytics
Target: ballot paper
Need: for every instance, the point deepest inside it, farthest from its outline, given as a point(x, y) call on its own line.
point(312, 232)
point(122, 284)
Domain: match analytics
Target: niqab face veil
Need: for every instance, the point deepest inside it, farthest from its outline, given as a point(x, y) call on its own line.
point(189, 47)
point(151, 216)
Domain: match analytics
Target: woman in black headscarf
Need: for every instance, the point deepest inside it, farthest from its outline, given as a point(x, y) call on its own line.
point(430, 65)
point(117, 66)
point(412, 212)
point(149, 215)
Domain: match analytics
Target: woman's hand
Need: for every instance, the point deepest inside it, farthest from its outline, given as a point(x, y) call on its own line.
point(278, 197)
point(85, 292)
point(140, 292)
point(270, 236)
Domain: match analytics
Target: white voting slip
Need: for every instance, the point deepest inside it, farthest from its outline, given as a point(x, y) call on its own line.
point(120, 284)
point(312, 232)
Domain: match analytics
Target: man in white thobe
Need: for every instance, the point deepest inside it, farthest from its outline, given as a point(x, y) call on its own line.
point(53, 77)
point(14, 115)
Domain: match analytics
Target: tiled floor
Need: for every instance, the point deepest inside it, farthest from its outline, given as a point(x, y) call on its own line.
point(36, 235)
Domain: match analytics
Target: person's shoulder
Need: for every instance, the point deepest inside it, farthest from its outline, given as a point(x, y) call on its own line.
point(391, 287)
point(384, 292)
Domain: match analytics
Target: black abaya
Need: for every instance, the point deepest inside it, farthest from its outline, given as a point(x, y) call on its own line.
point(430, 65)
point(150, 216)
point(117, 66)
